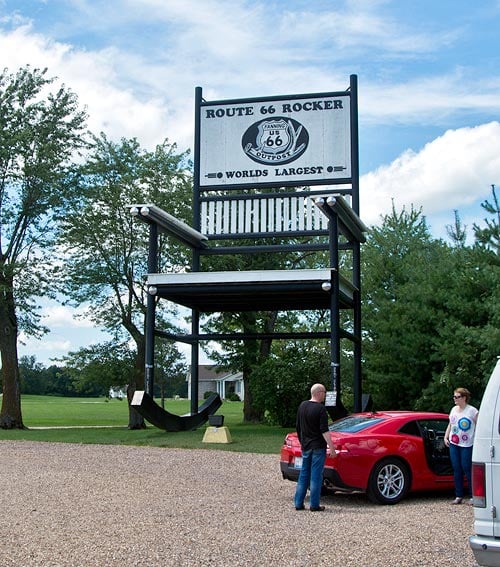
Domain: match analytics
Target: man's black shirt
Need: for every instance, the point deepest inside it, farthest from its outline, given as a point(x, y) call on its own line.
point(312, 422)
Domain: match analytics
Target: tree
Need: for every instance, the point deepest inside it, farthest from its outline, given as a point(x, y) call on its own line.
point(489, 236)
point(106, 248)
point(70, 380)
point(245, 355)
point(284, 379)
point(40, 131)
point(399, 318)
point(462, 287)
point(32, 376)
point(457, 232)
point(97, 368)
point(430, 314)
point(171, 371)
point(468, 299)
point(488, 241)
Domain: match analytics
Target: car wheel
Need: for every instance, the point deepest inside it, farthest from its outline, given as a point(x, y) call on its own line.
point(389, 482)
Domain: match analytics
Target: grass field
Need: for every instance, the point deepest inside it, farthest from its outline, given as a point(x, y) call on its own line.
point(95, 420)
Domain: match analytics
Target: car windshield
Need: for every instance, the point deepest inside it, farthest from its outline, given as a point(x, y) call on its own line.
point(354, 423)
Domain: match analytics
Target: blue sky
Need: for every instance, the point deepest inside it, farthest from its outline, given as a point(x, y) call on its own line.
point(428, 78)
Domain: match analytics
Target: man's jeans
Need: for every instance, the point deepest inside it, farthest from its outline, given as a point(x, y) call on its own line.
point(461, 460)
point(311, 476)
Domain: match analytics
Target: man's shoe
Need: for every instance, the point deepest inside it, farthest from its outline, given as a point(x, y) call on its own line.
point(300, 507)
point(318, 509)
point(457, 500)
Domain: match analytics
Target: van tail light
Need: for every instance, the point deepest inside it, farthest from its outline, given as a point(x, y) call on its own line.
point(479, 485)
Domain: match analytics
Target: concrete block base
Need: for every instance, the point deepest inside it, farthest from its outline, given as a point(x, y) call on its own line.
point(217, 435)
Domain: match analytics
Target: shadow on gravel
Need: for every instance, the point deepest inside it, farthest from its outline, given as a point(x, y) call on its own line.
point(359, 499)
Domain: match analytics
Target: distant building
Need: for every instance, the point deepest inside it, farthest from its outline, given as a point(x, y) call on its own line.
point(212, 379)
point(118, 393)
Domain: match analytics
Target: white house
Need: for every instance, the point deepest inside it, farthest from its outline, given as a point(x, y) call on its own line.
point(115, 392)
point(212, 379)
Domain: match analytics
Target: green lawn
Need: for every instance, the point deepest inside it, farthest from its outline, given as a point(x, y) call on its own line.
point(94, 420)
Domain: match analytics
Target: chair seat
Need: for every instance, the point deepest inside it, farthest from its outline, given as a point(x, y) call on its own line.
point(252, 290)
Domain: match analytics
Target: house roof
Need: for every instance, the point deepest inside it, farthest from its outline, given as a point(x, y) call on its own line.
point(211, 372)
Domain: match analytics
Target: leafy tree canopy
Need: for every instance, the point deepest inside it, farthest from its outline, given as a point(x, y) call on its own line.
point(41, 129)
point(105, 248)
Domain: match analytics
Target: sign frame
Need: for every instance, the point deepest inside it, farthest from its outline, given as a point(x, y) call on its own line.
point(316, 132)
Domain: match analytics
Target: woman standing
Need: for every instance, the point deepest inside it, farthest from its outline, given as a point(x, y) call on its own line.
point(459, 437)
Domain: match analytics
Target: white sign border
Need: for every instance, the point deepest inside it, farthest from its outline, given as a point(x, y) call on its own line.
point(326, 122)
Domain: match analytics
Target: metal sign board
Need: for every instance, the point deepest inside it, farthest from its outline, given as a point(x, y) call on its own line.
point(331, 398)
point(281, 141)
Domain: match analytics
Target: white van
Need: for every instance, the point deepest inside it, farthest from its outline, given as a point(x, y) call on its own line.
point(486, 476)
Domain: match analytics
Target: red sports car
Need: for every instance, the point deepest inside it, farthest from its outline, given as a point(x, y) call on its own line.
point(385, 454)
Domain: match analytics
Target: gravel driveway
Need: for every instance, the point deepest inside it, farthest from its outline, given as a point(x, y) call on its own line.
point(106, 506)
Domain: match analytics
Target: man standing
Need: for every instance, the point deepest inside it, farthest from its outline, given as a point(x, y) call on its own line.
point(314, 437)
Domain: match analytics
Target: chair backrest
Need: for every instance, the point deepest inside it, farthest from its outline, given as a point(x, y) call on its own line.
point(261, 215)
point(296, 220)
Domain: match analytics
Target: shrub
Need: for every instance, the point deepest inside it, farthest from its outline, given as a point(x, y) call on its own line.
point(281, 383)
point(206, 395)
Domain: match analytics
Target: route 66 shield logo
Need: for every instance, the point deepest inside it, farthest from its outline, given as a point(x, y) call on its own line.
point(277, 140)
point(274, 137)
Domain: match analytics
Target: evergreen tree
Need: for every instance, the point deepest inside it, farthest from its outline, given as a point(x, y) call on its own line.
point(430, 314)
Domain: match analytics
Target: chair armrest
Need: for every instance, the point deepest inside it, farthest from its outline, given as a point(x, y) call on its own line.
point(167, 223)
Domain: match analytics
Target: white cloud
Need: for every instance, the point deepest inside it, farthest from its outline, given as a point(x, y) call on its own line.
point(56, 316)
point(111, 103)
point(234, 49)
point(451, 172)
point(360, 28)
point(35, 346)
point(427, 99)
point(68, 332)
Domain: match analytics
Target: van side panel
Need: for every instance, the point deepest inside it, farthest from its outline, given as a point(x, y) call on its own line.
point(487, 450)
